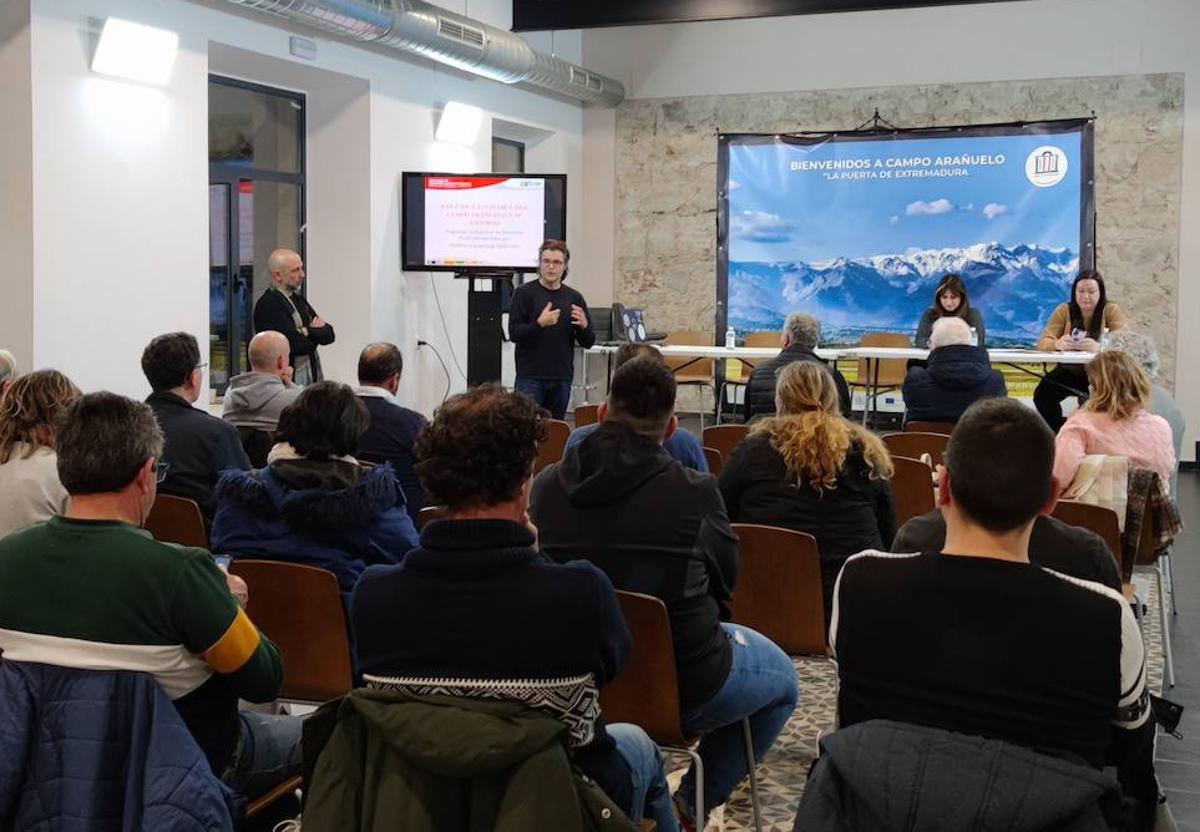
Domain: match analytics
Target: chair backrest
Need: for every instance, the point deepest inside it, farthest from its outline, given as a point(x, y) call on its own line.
point(913, 444)
point(779, 588)
point(693, 369)
point(177, 520)
point(646, 692)
point(891, 370)
point(300, 609)
point(912, 489)
point(918, 426)
point(1103, 521)
point(550, 449)
point(586, 414)
point(427, 514)
point(714, 458)
point(724, 438)
point(763, 338)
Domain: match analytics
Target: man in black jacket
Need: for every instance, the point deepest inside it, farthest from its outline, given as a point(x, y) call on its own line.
point(283, 309)
point(199, 446)
point(619, 500)
point(956, 375)
point(393, 430)
point(800, 336)
point(546, 319)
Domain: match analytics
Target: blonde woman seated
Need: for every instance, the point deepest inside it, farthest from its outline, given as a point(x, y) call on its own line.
point(28, 465)
point(811, 470)
point(1115, 422)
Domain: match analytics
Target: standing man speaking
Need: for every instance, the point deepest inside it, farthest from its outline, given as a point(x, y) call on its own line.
point(282, 309)
point(545, 320)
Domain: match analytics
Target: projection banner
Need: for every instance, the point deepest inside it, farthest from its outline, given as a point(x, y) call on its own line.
point(859, 228)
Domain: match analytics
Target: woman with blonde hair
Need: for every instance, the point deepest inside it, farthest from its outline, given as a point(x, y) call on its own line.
point(1115, 422)
point(812, 470)
point(28, 465)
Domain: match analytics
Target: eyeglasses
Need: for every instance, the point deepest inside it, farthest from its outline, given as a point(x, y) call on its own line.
point(160, 472)
point(200, 366)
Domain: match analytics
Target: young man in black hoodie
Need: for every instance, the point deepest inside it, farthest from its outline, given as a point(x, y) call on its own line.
point(619, 500)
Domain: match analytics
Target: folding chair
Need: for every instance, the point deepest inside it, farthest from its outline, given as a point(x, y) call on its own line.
point(550, 449)
point(913, 445)
point(779, 588)
point(177, 520)
point(912, 489)
point(715, 460)
point(723, 438)
point(877, 376)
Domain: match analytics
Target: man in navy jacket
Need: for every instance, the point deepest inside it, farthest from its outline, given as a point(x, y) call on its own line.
point(955, 377)
point(393, 430)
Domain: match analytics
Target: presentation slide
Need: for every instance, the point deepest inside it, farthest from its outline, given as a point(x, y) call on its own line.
point(859, 231)
point(483, 221)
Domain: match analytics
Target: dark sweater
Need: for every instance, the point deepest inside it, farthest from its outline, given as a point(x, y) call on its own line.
point(273, 312)
point(925, 326)
point(199, 447)
point(1004, 650)
point(954, 378)
point(390, 438)
point(620, 501)
point(547, 352)
point(477, 600)
point(760, 389)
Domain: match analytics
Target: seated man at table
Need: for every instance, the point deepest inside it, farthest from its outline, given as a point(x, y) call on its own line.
point(986, 642)
point(956, 375)
point(681, 445)
point(798, 342)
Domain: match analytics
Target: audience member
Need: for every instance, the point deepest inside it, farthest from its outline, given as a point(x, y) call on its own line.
point(984, 642)
point(255, 399)
point(1115, 421)
point(1142, 350)
point(812, 470)
point(798, 342)
point(955, 375)
point(28, 465)
point(283, 309)
point(8, 370)
point(620, 500)
point(313, 504)
point(393, 429)
point(90, 590)
point(681, 445)
point(477, 602)
point(199, 446)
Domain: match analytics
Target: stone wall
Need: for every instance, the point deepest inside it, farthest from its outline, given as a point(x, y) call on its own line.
point(666, 180)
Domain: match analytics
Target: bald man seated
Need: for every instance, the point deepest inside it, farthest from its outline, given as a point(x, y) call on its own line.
point(255, 399)
point(283, 309)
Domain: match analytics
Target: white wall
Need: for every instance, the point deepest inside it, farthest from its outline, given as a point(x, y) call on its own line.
point(985, 42)
point(120, 192)
point(16, 184)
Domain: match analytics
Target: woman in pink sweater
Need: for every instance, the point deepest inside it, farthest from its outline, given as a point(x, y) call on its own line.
point(1115, 422)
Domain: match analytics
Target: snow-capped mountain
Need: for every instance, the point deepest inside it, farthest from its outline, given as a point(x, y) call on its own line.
point(1014, 288)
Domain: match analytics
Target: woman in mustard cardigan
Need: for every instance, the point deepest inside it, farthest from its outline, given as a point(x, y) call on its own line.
point(1075, 326)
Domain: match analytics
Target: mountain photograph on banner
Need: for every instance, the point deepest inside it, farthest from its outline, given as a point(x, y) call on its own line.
point(859, 233)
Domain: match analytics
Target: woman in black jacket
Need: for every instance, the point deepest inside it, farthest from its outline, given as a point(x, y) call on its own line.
point(812, 470)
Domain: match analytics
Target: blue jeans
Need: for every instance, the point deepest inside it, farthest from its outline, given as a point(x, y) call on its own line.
point(651, 798)
point(762, 686)
point(552, 394)
point(268, 752)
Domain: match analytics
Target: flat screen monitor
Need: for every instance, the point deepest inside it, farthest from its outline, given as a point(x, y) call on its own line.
point(483, 222)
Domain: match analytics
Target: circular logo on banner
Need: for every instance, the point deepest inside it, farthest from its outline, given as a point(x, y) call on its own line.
point(1046, 166)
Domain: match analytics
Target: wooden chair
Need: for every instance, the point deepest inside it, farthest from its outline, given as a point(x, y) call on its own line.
point(913, 445)
point(723, 438)
point(300, 609)
point(550, 449)
point(691, 372)
point(1102, 521)
point(779, 588)
point(714, 459)
point(177, 520)
point(585, 414)
point(912, 489)
point(879, 376)
point(425, 515)
point(646, 692)
point(917, 426)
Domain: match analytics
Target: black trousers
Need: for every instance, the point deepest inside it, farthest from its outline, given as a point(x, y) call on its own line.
point(1059, 384)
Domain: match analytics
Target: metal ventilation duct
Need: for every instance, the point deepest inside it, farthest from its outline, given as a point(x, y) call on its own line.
point(435, 33)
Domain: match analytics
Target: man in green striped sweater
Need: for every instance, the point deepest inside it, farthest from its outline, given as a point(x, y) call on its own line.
point(92, 590)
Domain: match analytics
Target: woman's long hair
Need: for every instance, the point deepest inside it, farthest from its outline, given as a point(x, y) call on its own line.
point(30, 408)
point(952, 283)
point(1097, 325)
point(810, 433)
point(1119, 386)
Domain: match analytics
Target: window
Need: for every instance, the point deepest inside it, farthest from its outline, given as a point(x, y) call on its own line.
point(508, 156)
point(255, 205)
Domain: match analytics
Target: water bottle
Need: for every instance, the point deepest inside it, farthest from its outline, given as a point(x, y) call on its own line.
point(730, 339)
point(974, 337)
